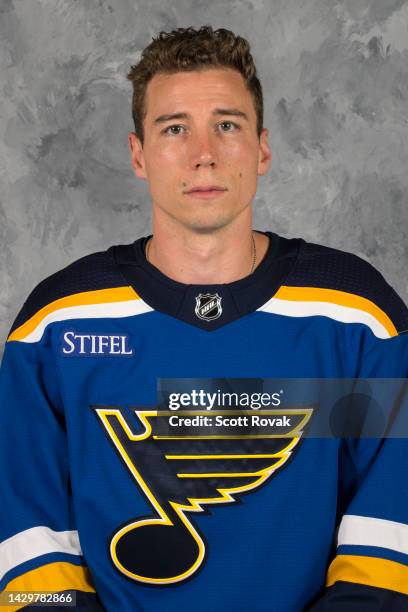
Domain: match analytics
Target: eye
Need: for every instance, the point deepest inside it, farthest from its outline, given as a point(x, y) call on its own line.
point(173, 130)
point(229, 126)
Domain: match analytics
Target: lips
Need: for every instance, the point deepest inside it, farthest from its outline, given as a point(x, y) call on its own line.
point(205, 188)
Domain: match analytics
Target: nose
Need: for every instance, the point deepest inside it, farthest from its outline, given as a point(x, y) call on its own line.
point(203, 151)
point(204, 162)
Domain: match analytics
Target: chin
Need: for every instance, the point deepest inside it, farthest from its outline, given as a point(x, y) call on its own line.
point(207, 226)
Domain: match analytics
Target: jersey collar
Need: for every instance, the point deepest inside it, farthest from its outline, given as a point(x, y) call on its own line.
point(209, 306)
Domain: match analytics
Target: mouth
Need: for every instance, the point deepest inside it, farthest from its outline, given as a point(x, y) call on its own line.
point(205, 191)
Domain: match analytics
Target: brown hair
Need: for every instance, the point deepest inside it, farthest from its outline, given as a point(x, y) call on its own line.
point(186, 49)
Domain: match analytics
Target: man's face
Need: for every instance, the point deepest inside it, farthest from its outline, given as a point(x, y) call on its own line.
point(200, 131)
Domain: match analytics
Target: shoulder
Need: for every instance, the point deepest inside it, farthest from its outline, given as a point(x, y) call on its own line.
point(345, 280)
point(87, 280)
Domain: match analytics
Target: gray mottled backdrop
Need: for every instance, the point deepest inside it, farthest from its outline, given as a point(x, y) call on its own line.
point(335, 78)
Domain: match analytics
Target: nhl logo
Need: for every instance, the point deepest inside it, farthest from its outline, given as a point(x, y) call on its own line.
point(208, 306)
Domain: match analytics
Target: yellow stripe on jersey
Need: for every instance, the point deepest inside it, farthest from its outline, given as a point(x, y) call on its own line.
point(340, 298)
point(85, 298)
point(371, 571)
point(55, 577)
point(32, 329)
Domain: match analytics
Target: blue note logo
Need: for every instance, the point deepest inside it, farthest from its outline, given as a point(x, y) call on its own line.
point(184, 466)
point(95, 344)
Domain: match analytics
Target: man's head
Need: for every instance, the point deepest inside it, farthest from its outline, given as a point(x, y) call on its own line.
point(197, 107)
point(190, 49)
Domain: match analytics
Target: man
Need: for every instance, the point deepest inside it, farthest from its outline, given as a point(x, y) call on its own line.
point(129, 477)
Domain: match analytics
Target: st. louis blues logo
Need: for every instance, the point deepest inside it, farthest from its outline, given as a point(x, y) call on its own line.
point(182, 462)
point(208, 306)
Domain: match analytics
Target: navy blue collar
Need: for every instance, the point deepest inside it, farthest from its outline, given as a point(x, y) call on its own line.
point(207, 306)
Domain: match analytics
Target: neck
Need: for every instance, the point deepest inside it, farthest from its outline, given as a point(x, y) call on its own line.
point(218, 257)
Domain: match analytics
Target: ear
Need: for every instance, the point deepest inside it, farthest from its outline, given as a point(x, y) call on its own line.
point(265, 154)
point(137, 156)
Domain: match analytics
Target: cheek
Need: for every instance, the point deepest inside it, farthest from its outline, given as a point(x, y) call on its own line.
point(161, 167)
point(242, 157)
point(161, 153)
point(245, 183)
point(168, 154)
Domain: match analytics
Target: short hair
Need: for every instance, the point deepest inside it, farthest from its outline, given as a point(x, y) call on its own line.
point(187, 49)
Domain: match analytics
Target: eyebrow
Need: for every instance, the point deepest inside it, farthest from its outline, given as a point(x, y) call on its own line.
point(234, 112)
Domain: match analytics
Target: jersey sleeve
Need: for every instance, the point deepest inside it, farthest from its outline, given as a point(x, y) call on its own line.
point(40, 550)
point(369, 571)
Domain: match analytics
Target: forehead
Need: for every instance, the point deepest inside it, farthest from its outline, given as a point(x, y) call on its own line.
point(199, 89)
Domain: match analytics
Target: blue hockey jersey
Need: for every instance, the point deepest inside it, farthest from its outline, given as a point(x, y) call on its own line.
point(129, 481)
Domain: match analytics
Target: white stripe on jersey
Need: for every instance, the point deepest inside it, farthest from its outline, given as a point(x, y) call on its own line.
point(368, 531)
point(109, 310)
point(35, 542)
point(344, 314)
